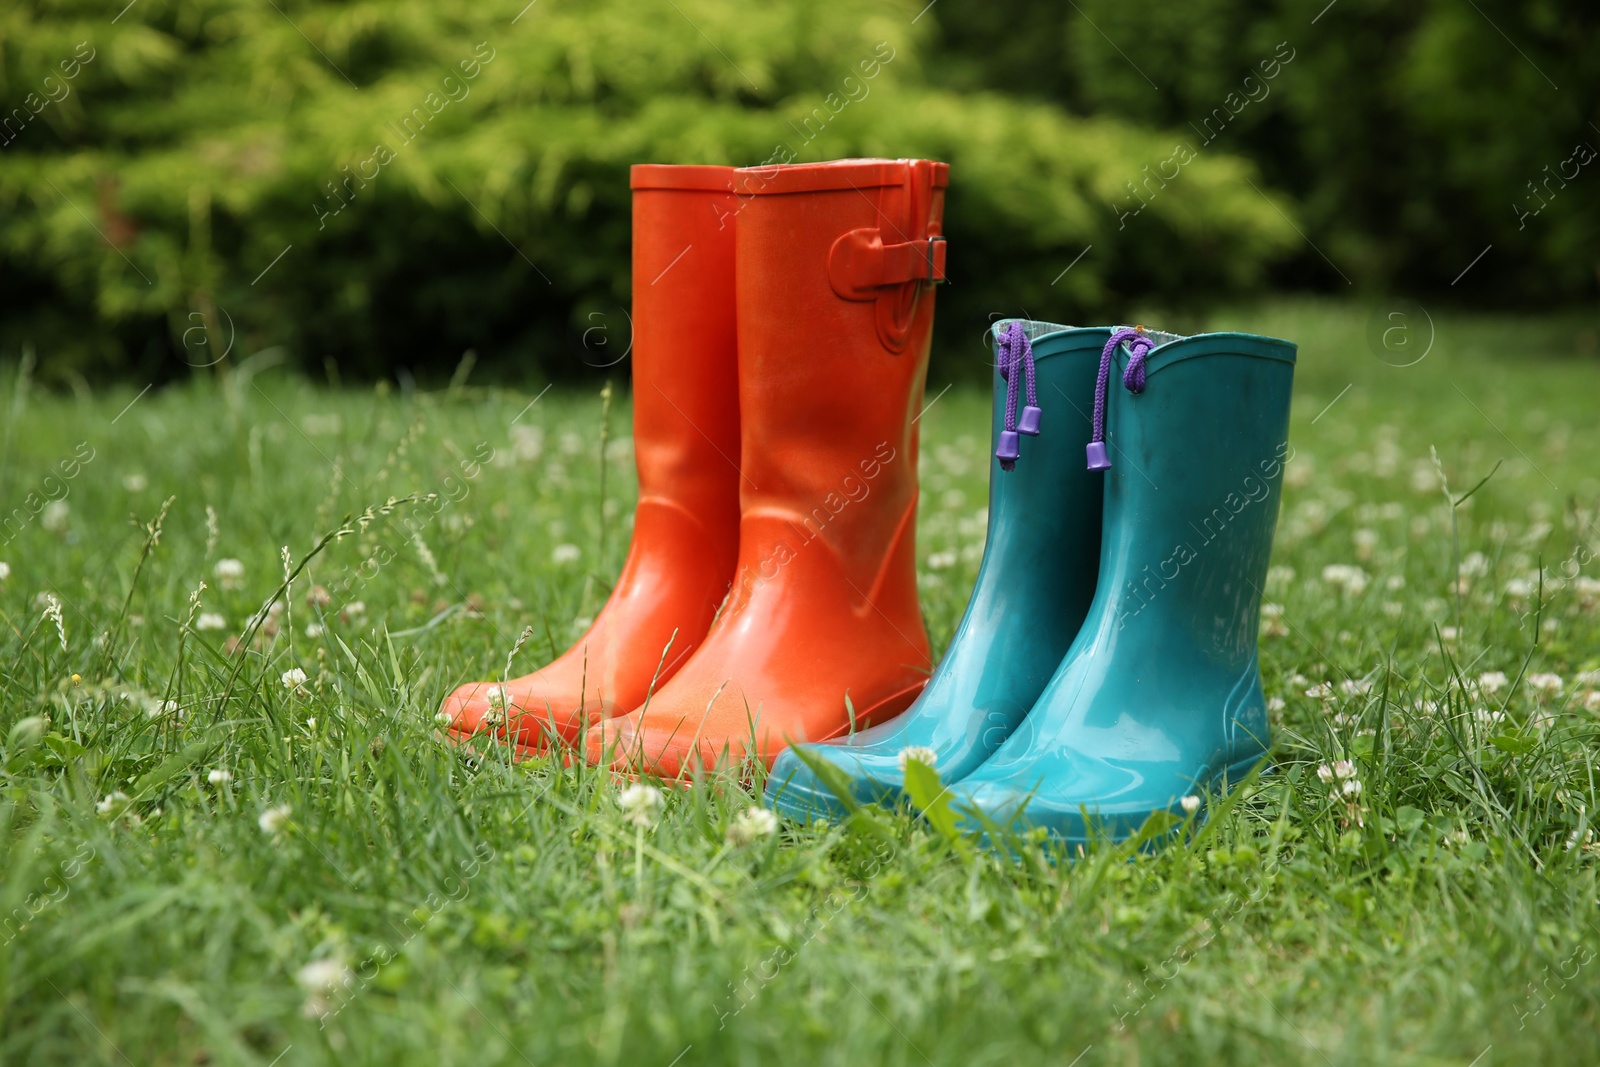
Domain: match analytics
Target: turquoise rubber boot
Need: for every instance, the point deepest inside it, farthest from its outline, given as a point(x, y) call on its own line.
point(1159, 696)
point(1033, 589)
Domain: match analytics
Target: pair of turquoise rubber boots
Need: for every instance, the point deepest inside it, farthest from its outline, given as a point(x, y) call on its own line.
point(1106, 667)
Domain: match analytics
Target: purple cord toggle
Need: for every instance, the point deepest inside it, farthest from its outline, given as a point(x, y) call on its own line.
point(1016, 368)
point(1133, 378)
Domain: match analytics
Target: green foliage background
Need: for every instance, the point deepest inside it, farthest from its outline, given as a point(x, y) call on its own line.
point(146, 202)
point(1408, 135)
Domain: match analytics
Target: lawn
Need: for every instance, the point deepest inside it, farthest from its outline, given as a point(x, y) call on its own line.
point(207, 863)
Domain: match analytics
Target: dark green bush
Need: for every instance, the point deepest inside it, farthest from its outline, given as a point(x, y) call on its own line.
point(452, 176)
point(1411, 135)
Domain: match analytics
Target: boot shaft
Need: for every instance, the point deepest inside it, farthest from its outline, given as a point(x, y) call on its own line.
point(685, 366)
point(835, 270)
point(1191, 500)
point(1043, 545)
point(1040, 559)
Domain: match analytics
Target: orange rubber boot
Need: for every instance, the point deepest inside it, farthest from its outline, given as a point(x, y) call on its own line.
point(836, 265)
point(686, 447)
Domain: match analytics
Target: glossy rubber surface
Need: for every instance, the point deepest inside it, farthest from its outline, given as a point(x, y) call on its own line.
point(824, 603)
point(685, 438)
point(1032, 592)
point(1160, 694)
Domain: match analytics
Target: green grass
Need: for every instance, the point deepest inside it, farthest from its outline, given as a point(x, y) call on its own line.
point(500, 914)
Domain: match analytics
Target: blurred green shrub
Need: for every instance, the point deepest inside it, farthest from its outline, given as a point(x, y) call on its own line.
point(1412, 135)
point(387, 184)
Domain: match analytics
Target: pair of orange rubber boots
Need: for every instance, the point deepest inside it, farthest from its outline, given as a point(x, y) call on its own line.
point(781, 322)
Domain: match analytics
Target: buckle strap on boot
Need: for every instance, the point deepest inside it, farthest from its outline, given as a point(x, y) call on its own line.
point(1133, 378)
point(860, 263)
point(1016, 363)
point(894, 274)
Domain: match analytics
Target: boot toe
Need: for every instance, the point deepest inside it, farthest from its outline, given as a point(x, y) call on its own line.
point(628, 744)
point(607, 743)
point(1102, 802)
point(798, 792)
point(996, 810)
point(468, 709)
point(534, 721)
point(797, 789)
point(659, 747)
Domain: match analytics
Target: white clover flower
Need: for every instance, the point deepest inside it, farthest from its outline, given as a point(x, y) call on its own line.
point(155, 709)
point(921, 753)
point(1448, 633)
point(113, 804)
point(499, 697)
point(1345, 577)
point(1191, 803)
point(1272, 624)
point(1546, 684)
point(1394, 582)
point(641, 804)
point(274, 818)
point(219, 776)
point(313, 629)
point(565, 555)
point(943, 560)
point(1320, 691)
point(1365, 541)
point(752, 824)
point(1355, 686)
point(1276, 704)
point(321, 976)
point(1325, 773)
point(527, 443)
point(55, 516)
point(229, 573)
point(5, 570)
point(1493, 681)
point(355, 607)
point(294, 679)
point(210, 620)
point(1344, 769)
point(1351, 788)
point(442, 719)
point(135, 482)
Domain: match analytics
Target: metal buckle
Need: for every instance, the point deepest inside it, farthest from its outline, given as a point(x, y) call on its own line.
point(932, 263)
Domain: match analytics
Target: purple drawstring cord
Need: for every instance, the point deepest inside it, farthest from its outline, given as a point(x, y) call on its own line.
point(1139, 347)
point(1016, 362)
